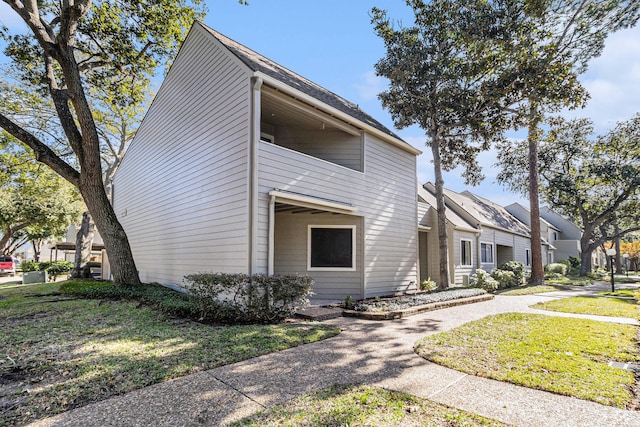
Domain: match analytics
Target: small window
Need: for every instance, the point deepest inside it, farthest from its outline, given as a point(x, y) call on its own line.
point(555, 235)
point(527, 257)
point(486, 253)
point(332, 248)
point(465, 252)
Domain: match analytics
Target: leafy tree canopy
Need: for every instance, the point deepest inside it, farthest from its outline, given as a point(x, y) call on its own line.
point(592, 180)
point(35, 203)
point(74, 51)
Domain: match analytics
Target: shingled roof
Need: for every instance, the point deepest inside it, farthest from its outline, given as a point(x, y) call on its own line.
point(257, 62)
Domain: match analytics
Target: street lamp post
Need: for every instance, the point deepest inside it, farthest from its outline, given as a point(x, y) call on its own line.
point(611, 253)
point(626, 260)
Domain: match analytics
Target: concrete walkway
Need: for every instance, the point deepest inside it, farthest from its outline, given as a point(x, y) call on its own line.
point(366, 352)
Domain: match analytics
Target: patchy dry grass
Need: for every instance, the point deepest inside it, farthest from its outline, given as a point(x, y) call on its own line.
point(58, 352)
point(567, 356)
point(364, 406)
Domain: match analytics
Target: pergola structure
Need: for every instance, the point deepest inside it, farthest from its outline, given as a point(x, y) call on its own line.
point(96, 249)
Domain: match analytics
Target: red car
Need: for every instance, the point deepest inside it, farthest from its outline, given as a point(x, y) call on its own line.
point(8, 265)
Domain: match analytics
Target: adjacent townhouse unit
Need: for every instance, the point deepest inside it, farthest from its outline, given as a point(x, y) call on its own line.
point(458, 229)
point(243, 166)
point(499, 236)
point(549, 233)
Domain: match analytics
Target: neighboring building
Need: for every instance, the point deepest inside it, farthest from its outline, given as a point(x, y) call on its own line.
point(458, 230)
point(499, 237)
point(567, 239)
point(549, 233)
point(242, 166)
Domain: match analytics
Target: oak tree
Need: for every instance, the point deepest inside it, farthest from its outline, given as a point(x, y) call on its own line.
point(72, 47)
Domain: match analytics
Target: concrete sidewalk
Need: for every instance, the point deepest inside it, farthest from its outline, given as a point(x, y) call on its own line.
point(366, 352)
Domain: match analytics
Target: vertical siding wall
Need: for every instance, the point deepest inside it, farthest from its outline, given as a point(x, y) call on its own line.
point(181, 192)
point(384, 195)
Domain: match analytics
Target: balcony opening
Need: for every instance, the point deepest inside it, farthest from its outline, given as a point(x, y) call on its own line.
point(293, 124)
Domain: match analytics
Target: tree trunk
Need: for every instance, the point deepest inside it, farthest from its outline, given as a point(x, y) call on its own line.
point(123, 267)
point(90, 180)
point(586, 249)
point(84, 242)
point(537, 271)
point(36, 250)
point(443, 242)
point(618, 254)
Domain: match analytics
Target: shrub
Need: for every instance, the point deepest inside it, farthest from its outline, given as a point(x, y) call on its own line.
point(28, 266)
point(54, 268)
point(574, 262)
point(428, 285)
point(240, 298)
point(482, 279)
point(517, 268)
point(557, 268)
point(505, 278)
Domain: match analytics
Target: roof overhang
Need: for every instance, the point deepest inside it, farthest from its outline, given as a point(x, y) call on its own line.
point(311, 202)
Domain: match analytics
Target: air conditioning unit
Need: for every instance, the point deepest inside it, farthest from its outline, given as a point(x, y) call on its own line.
point(465, 280)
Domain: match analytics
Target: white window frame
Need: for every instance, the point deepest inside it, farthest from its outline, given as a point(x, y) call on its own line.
point(470, 253)
point(353, 248)
point(482, 261)
point(527, 257)
point(265, 137)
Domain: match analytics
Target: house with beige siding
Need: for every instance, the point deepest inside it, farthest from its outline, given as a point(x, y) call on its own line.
point(458, 229)
point(243, 166)
point(498, 236)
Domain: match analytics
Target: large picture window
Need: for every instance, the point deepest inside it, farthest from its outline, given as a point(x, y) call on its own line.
point(332, 247)
point(486, 253)
point(465, 252)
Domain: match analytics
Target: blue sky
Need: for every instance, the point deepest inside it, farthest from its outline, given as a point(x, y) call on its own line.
point(332, 43)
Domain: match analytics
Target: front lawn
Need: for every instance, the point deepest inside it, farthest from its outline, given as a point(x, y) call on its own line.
point(532, 289)
point(567, 356)
point(600, 306)
point(58, 352)
point(364, 406)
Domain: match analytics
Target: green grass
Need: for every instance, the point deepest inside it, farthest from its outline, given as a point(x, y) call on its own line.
point(570, 280)
point(601, 306)
point(363, 406)
point(531, 289)
point(567, 356)
point(624, 293)
point(58, 352)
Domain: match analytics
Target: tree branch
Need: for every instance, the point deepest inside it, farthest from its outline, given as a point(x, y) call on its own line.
point(41, 151)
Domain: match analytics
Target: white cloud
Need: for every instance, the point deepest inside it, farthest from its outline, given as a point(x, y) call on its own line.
point(613, 81)
point(371, 86)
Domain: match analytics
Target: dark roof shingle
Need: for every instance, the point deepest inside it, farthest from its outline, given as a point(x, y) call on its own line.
point(257, 62)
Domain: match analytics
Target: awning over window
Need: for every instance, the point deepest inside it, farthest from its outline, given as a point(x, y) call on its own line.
point(310, 202)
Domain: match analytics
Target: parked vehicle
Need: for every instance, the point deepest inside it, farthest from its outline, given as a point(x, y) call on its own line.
point(8, 265)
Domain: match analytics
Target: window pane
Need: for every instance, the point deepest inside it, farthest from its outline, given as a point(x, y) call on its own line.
point(465, 252)
point(332, 247)
point(487, 252)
